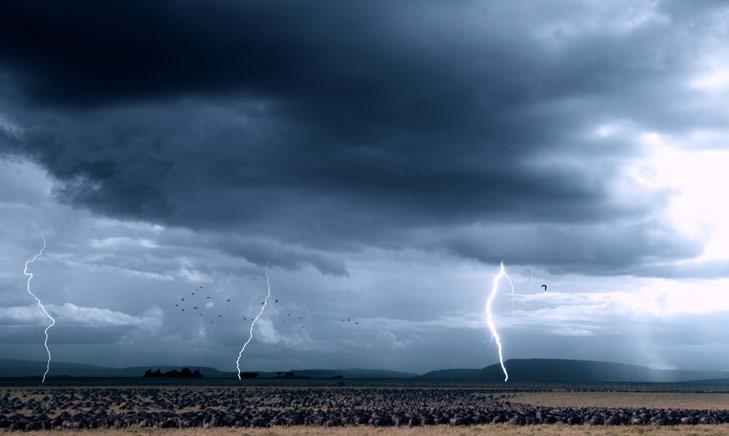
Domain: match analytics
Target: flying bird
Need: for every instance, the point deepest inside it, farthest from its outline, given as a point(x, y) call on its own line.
point(545, 288)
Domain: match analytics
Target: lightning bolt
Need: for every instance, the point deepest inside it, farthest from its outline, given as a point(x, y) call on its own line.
point(490, 316)
point(253, 323)
point(40, 304)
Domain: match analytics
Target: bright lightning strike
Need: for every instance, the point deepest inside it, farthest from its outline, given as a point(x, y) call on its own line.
point(253, 323)
point(42, 307)
point(490, 317)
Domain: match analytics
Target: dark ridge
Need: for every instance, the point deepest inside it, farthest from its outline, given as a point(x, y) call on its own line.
point(27, 368)
point(354, 373)
point(520, 370)
point(562, 370)
point(184, 373)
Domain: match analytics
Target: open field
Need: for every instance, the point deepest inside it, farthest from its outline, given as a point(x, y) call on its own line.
point(715, 386)
point(666, 400)
point(366, 407)
point(479, 430)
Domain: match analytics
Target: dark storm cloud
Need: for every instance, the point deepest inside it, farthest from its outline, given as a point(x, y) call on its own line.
point(603, 249)
point(287, 258)
point(332, 125)
point(322, 53)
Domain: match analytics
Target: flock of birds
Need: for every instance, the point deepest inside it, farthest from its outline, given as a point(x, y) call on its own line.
point(199, 307)
point(209, 303)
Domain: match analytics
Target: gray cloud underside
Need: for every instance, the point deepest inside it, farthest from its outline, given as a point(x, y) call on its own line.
point(330, 127)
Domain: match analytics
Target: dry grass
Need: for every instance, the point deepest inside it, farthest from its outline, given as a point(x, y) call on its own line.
point(625, 399)
point(546, 430)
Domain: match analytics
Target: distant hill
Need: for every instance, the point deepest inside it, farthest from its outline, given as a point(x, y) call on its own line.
point(184, 373)
point(520, 370)
point(28, 368)
point(561, 370)
point(138, 371)
point(354, 373)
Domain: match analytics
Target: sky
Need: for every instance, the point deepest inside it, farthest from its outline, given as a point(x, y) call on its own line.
point(379, 159)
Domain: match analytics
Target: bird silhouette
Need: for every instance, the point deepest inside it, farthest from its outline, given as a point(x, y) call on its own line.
point(545, 288)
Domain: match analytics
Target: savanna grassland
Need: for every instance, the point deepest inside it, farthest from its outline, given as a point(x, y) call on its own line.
point(365, 407)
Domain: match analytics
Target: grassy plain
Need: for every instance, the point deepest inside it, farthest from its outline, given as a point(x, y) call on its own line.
point(485, 430)
point(651, 400)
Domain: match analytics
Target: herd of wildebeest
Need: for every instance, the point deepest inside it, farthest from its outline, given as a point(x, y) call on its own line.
point(45, 408)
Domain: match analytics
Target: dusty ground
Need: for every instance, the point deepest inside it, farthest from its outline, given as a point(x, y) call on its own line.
point(546, 430)
point(662, 400)
point(362, 410)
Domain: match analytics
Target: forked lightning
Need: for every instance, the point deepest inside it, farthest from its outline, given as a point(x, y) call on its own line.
point(40, 304)
point(253, 323)
point(490, 316)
